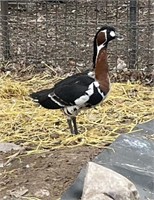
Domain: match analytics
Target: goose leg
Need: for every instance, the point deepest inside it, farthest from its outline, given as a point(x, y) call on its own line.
point(75, 125)
point(72, 125)
point(69, 121)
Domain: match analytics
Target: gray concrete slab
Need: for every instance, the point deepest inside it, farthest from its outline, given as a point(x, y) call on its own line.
point(132, 156)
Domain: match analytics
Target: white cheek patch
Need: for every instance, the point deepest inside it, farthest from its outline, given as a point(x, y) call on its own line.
point(112, 34)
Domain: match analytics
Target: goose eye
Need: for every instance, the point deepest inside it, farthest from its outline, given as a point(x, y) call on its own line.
point(112, 34)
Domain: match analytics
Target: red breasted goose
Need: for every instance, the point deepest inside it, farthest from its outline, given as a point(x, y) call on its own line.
point(82, 90)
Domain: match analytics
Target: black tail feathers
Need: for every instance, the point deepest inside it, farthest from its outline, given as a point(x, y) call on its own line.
point(42, 98)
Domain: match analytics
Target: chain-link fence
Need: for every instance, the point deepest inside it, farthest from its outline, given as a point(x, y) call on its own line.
point(60, 33)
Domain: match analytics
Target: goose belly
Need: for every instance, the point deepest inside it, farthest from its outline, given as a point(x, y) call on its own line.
point(95, 98)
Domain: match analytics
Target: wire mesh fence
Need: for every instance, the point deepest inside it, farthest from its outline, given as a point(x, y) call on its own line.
point(60, 33)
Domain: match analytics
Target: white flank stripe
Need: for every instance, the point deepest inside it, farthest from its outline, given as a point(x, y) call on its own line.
point(82, 100)
point(91, 74)
point(54, 100)
point(35, 100)
point(101, 93)
point(96, 84)
point(90, 90)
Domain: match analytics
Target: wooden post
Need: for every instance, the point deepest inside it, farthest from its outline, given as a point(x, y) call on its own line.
point(5, 31)
point(133, 34)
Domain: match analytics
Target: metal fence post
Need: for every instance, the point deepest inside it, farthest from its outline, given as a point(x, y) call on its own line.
point(5, 31)
point(133, 34)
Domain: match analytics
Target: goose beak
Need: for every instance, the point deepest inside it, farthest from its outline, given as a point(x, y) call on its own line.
point(119, 37)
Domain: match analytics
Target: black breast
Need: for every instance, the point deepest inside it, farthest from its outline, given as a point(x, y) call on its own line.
point(95, 98)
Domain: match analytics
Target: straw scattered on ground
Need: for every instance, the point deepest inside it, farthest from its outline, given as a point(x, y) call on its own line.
point(24, 122)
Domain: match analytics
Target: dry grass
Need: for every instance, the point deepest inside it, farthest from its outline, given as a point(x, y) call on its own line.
point(25, 123)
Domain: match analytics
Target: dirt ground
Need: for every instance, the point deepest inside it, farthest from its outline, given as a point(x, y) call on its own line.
point(43, 176)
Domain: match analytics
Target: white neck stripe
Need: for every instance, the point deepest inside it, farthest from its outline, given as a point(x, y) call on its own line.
point(102, 45)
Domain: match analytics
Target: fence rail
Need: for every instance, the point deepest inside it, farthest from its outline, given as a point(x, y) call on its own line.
point(60, 33)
